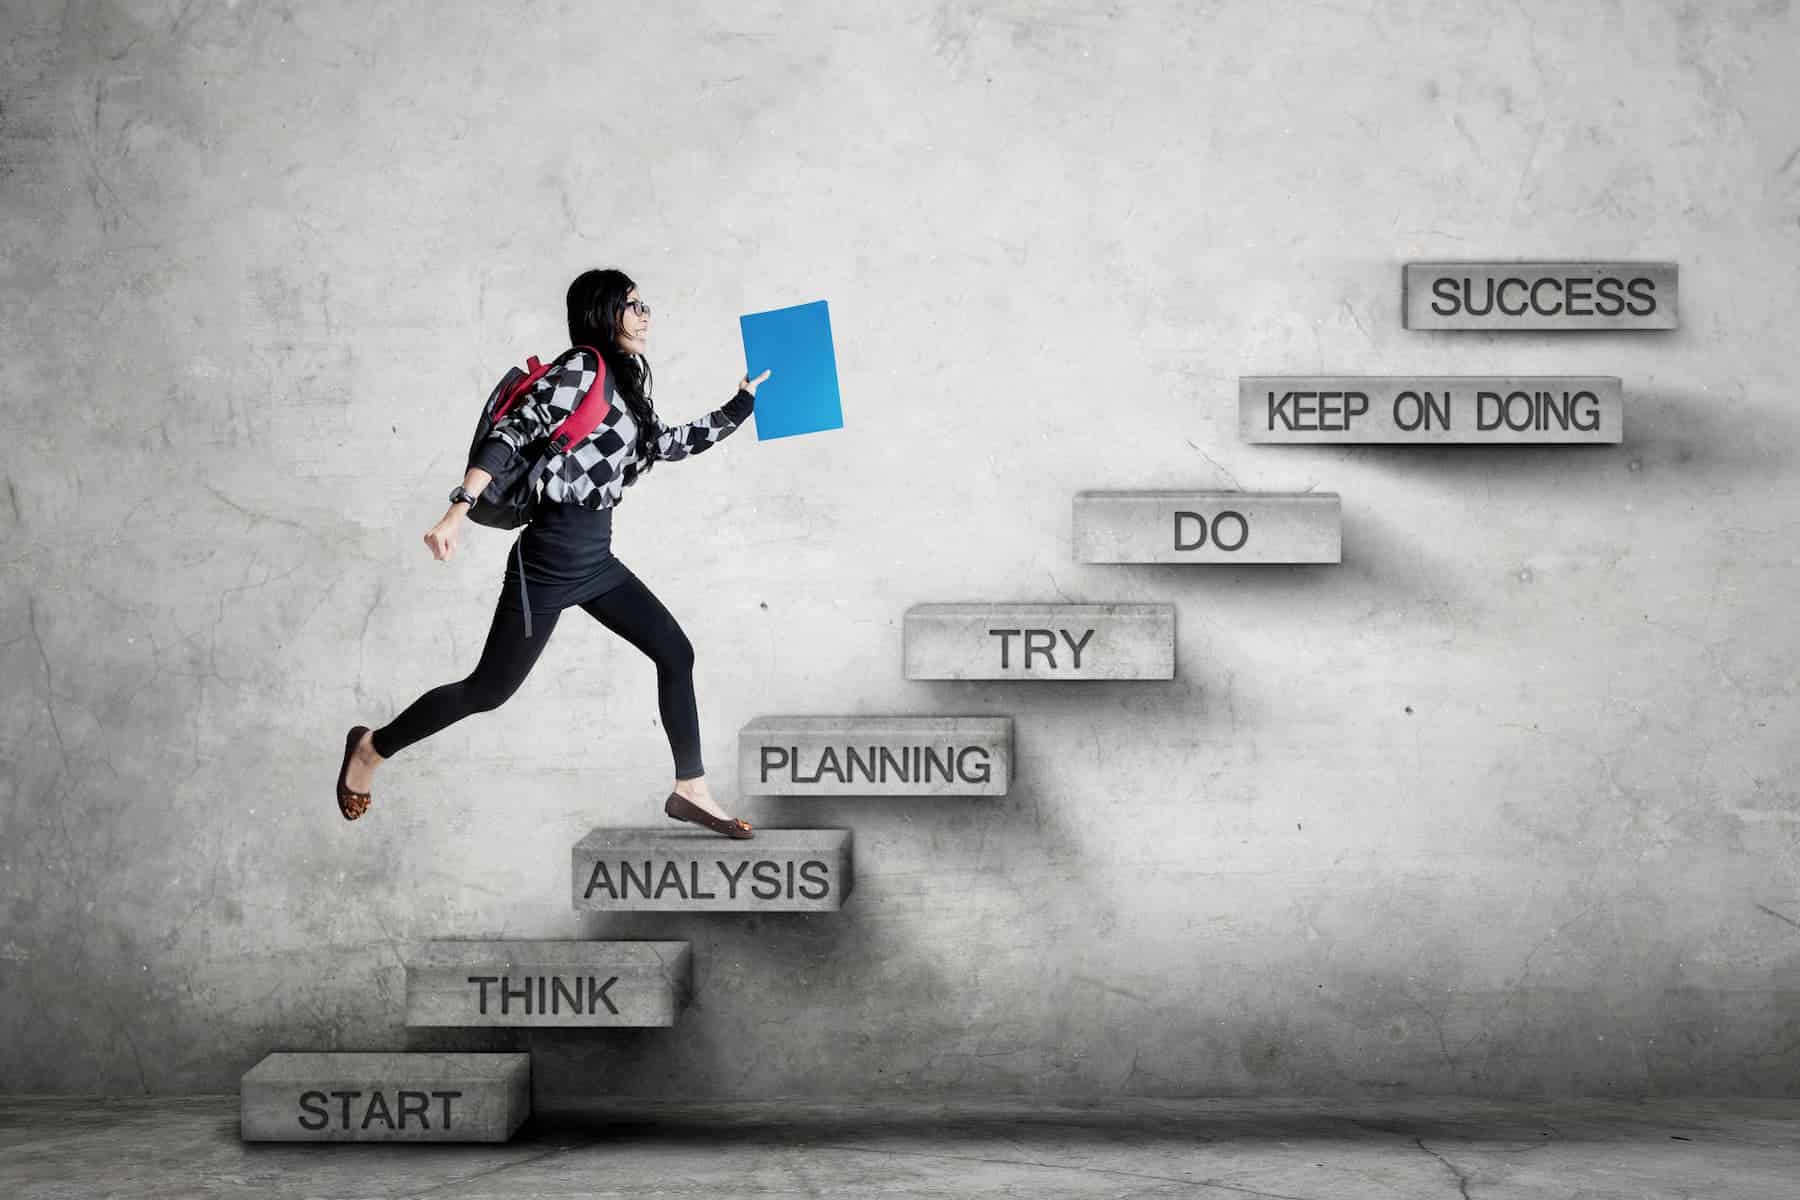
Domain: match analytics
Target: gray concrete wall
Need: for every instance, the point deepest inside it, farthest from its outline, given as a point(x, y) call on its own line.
point(1504, 804)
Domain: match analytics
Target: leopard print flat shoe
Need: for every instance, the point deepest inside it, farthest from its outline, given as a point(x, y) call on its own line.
point(352, 804)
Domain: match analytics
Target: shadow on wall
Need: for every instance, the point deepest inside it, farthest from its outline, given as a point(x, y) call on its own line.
point(1678, 447)
point(775, 1007)
point(776, 1010)
point(1706, 437)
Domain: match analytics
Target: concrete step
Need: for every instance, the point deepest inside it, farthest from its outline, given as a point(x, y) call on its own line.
point(1208, 527)
point(385, 1098)
point(695, 870)
point(1431, 409)
point(554, 984)
point(1539, 295)
point(875, 756)
point(1039, 641)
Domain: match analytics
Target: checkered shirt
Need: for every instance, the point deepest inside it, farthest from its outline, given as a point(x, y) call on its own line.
point(595, 471)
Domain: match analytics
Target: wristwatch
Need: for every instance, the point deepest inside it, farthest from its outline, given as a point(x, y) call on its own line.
point(460, 495)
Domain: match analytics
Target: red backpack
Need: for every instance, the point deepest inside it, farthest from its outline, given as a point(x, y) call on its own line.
point(507, 501)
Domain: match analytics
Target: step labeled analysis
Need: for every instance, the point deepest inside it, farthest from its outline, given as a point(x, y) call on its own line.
point(337, 1097)
point(875, 756)
point(1039, 641)
point(681, 870)
point(548, 984)
point(1431, 409)
point(1208, 527)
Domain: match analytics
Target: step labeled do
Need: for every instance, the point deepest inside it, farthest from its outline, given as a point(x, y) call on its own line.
point(1040, 641)
point(682, 870)
point(385, 1097)
point(1208, 527)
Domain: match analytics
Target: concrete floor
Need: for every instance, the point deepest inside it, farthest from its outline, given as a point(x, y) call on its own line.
point(188, 1147)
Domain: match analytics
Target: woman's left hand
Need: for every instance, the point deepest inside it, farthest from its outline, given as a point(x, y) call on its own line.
point(747, 384)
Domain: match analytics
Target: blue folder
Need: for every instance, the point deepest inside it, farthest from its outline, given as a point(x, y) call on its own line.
point(802, 394)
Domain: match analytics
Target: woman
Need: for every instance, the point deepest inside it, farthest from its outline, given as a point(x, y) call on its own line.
point(567, 548)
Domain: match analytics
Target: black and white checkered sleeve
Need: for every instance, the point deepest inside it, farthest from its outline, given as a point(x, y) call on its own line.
point(554, 397)
point(675, 442)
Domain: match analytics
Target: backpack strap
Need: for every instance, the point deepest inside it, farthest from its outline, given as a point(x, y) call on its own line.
point(588, 414)
point(524, 383)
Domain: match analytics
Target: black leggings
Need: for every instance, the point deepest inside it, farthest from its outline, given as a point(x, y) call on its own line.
point(629, 610)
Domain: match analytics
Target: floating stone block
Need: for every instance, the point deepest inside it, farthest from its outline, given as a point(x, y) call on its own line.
point(875, 756)
point(1039, 641)
point(1208, 527)
point(556, 984)
point(385, 1098)
point(695, 870)
point(1539, 295)
point(1431, 409)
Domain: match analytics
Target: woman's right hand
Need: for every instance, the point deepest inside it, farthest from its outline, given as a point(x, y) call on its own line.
point(441, 538)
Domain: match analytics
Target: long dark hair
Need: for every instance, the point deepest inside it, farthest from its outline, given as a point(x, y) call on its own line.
point(596, 303)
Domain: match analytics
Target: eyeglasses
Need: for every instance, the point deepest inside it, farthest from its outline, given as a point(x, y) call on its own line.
point(638, 307)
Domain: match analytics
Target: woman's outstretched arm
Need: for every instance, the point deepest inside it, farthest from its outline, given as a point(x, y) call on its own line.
point(692, 437)
point(675, 442)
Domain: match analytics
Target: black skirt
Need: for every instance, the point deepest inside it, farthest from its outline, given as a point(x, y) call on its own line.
point(567, 556)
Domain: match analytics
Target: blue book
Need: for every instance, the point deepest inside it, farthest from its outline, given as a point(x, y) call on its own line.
point(801, 396)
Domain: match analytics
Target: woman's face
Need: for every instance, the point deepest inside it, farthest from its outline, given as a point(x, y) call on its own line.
point(634, 325)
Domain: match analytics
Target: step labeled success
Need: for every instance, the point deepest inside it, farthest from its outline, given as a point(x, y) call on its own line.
point(1539, 295)
point(1437, 409)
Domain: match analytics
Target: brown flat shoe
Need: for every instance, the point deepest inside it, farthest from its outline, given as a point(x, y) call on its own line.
point(683, 809)
point(351, 803)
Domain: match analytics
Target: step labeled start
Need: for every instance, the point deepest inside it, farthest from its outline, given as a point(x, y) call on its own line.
point(333, 1097)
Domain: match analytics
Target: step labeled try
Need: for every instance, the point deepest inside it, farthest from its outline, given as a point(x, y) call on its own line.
point(1039, 641)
